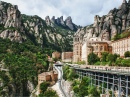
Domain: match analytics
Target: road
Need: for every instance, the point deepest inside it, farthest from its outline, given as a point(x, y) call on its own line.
point(60, 80)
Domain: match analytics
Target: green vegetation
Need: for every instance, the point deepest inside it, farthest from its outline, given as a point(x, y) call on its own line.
point(122, 35)
point(114, 59)
point(69, 73)
point(127, 54)
point(45, 92)
point(44, 86)
point(87, 89)
point(81, 87)
point(122, 62)
point(24, 61)
point(92, 58)
point(80, 63)
point(107, 59)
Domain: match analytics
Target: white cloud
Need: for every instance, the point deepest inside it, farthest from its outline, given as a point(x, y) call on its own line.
point(81, 11)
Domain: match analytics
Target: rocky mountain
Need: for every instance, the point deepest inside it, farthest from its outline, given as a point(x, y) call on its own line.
point(107, 26)
point(67, 24)
point(53, 33)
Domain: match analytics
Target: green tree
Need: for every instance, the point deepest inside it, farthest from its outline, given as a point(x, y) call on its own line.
point(116, 37)
point(92, 58)
point(104, 56)
point(44, 86)
point(110, 58)
point(76, 89)
point(92, 90)
point(127, 54)
point(84, 87)
point(50, 93)
point(115, 57)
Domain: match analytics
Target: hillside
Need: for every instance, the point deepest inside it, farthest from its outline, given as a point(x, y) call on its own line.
point(55, 33)
point(20, 65)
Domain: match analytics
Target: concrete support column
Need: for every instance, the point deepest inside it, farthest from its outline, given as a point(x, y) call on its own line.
point(91, 80)
point(119, 86)
point(107, 83)
point(98, 78)
point(113, 87)
point(95, 78)
point(102, 83)
point(127, 86)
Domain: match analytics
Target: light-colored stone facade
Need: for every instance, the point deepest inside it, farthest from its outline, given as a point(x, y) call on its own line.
point(67, 56)
point(47, 76)
point(97, 47)
point(121, 46)
point(77, 49)
point(56, 55)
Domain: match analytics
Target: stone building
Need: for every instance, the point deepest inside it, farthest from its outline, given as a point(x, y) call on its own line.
point(95, 46)
point(77, 48)
point(121, 46)
point(67, 56)
point(56, 55)
point(47, 76)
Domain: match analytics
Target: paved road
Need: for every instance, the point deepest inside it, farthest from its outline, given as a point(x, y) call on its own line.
point(60, 80)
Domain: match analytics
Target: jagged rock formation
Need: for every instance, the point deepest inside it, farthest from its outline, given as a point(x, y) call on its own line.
point(20, 27)
point(10, 22)
point(107, 26)
point(67, 24)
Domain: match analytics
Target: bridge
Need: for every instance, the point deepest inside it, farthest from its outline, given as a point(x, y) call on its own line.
point(118, 81)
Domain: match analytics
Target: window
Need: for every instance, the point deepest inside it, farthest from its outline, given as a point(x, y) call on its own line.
point(101, 48)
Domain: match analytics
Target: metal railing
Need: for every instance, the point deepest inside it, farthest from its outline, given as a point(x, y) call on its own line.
point(110, 68)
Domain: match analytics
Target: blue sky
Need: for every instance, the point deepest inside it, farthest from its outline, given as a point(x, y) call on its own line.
point(81, 11)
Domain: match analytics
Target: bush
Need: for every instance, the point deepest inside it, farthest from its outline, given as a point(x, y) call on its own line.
point(92, 90)
point(50, 93)
point(127, 54)
point(98, 63)
point(44, 86)
point(92, 58)
point(125, 62)
point(104, 56)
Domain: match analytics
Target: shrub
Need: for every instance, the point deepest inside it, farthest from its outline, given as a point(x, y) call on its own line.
point(127, 54)
point(104, 56)
point(44, 86)
point(92, 58)
point(97, 63)
point(50, 93)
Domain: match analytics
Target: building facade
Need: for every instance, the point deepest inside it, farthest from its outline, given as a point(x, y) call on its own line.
point(77, 49)
point(47, 76)
point(56, 55)
point(121, 46)
point(67, 56)
point(97, 47)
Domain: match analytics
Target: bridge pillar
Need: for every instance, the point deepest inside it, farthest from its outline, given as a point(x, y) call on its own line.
point(98, 78)
point(113, 87)
point(91, 79)
point(102, 83)
point(95, 78)
point(107, 83)
point(126, 86)
point(119, 86)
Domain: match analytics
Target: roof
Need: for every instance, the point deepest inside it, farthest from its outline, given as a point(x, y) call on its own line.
point(46, 73)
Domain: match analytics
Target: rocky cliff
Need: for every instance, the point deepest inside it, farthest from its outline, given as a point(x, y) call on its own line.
point(48, 33)
point(107, 26)
point(67, 24)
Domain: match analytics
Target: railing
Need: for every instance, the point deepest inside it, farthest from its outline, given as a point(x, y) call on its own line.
point(110, 68)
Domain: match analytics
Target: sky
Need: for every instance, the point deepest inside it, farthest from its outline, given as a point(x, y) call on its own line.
point(82, 12)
